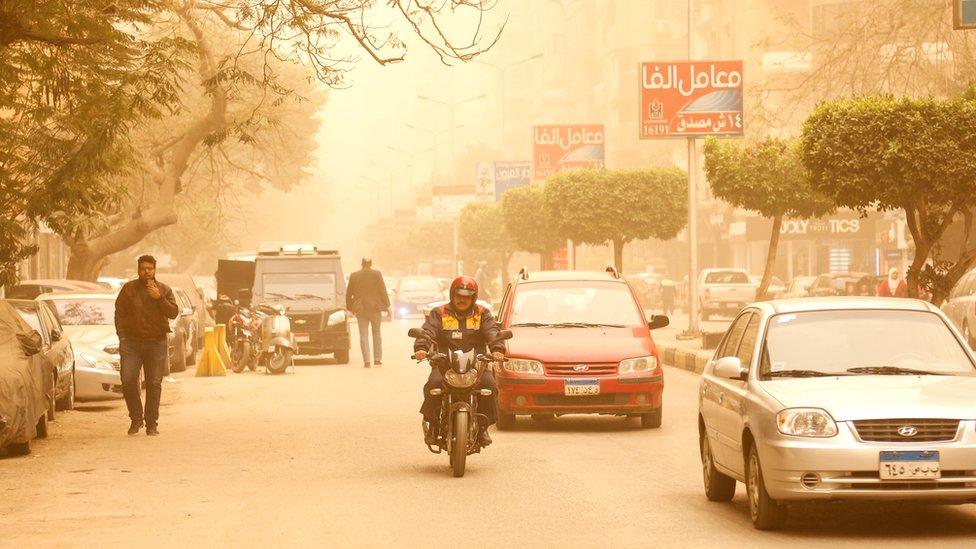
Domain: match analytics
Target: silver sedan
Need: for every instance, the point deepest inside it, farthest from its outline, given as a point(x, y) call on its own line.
point(839, 399)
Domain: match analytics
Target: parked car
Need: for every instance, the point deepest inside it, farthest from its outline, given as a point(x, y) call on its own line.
point(391, 286)
point(647, 286)
point(185, 330)
point(724, 291)
point(26, 385)
point(413, 293)
point(202, 315)
point(56, 350)
point(960, 306)
point(799, 287)
point(113, 283)
point(581, 345)
point(88, 322)
point(30, 289)
point(856, 398)
point(775, 289)
point(206, 287)
point(842, 284)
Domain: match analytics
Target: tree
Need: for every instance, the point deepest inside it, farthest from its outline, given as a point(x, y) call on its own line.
point(918, 155)
point(483, 229)
point(617, 206)
point(527, 222)
point(765, 177)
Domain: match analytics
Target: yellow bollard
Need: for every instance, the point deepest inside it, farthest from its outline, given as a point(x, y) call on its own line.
point(210, 363)
point(222, 349)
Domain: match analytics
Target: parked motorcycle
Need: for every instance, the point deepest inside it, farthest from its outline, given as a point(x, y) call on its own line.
point(459, 418)
point(277, 346)
point(245, 330)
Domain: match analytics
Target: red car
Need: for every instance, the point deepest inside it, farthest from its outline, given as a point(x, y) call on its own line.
point(581, 345)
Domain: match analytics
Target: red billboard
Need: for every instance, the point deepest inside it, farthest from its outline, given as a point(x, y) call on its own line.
point(557, 148)
point(690, 98)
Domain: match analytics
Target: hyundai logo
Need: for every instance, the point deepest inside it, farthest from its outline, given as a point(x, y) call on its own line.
point(581, 368)
point(907, 431)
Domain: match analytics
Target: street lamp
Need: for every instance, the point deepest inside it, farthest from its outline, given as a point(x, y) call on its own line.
point(501, 92)
point(452, 107)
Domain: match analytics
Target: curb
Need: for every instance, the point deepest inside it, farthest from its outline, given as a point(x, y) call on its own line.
point(683, 359)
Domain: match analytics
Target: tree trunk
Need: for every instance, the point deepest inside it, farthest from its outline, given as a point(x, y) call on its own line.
point(84, 267)
point(770, 258)
point(618, 254)
point(921, 254)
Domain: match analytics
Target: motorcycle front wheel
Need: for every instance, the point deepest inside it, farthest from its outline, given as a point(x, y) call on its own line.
point(279, 359)
point(240, 356)
point(459, 442)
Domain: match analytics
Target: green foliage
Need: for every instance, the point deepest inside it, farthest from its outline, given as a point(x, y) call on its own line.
point(600, 206)
point(765, 177)
point(527, 222)
point(483, 228)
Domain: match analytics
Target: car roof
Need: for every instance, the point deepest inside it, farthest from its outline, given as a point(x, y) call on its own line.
point(59, 282)
point(76, 295)
point(582, 276)
point(806, 304)
point(22, 302)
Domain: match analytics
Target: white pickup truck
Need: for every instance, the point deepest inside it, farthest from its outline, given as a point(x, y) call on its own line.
point(724, 291)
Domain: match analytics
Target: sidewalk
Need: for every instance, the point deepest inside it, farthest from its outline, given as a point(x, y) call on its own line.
point(686, 354)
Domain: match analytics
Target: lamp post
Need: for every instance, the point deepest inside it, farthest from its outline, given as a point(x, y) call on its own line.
point(501, 92)
point(693, 328)
point(452, 107)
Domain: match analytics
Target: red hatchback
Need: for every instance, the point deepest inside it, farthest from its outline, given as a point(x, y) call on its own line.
point(581, 345)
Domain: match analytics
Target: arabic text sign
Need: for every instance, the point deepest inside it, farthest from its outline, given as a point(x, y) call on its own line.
point(572, 146)
point(690, 98)
point(448, 200)
point(509, 175)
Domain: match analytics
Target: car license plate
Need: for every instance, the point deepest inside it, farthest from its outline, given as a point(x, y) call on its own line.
point(580, 387)
point(301, 338)
point(921, 465)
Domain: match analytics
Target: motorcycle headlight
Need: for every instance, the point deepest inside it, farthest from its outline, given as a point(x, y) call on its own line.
point(95, 362)
point(806, 422)
point(639, 364)
point(461, 381)
point(524, 366)
point(337, 317)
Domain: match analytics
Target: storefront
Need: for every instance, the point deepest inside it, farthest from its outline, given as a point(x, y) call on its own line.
point(841, 242)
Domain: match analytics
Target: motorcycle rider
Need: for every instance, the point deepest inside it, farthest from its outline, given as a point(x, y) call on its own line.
point(460, 325)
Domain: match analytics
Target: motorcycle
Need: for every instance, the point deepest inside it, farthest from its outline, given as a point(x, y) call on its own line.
point(277, 346)
point(245, 328)
point(459, 418)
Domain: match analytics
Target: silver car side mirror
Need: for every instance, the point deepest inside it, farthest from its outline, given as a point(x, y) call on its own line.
point(730, 367)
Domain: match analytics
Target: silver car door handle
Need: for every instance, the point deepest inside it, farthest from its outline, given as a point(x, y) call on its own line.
point(721, 397)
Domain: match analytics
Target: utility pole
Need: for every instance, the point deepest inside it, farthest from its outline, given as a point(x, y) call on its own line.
point(693, 328)
point(501, 93)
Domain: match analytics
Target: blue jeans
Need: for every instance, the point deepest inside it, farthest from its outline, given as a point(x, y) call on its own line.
point(365, 320)
point(149, 356)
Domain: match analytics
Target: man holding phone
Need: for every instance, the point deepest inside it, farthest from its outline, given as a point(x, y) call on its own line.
point(142, 312)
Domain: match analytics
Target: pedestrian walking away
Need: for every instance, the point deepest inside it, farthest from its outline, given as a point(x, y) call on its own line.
point(366, 298)
point(142, 312)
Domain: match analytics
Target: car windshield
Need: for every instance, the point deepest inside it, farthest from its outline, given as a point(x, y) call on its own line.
point(862, 342)
point(85, 312)
point(419, 284)
point(290, 286)
point(581, 303)
point(726, 277)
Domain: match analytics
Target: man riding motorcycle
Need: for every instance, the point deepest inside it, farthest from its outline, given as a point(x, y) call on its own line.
point(460, 325)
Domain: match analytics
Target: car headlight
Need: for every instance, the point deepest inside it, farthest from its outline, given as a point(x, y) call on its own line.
point(523, 366)
point(337, 317)
point(95, 362)
point(112, 349)
point(640, 364)
point(806, 422)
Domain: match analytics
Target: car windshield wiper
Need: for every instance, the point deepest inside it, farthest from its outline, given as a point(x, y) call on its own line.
point(586, 325)
point(531, 324)
point(802, 373)
point(274, 295)
point(891, 371)
point(308, 296)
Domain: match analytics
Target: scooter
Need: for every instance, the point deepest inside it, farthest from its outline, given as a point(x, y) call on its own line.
point(277, 347)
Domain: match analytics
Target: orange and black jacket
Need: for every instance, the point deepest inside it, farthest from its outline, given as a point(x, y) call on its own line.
point(456, 332)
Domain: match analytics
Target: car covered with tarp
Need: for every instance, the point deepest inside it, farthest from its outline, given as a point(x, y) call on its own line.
point(26, 386)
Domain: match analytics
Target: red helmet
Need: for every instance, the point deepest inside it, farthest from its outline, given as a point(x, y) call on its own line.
point(464, 286)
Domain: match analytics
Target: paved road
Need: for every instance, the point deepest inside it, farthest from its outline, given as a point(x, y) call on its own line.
point(332, 455)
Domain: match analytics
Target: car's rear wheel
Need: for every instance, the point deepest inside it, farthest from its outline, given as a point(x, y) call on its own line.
point(19, 448)
point(177, 362)
point(67, 402)
point(506, 422)
point(718, 487)
point(51, 400)
point(766, 513)
point(652, 420)
point(342, 357)
point(42, 427)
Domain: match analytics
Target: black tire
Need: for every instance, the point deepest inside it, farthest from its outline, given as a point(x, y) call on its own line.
point(543, 417)
point(459, 442)
point(19, 448)
point(177, 362)
point(67, 402)
point(240, 355)
point(279, 360)
point(652, 420)
point(506, 422)
point(342, 357)
point(42, 427)
point(718, 487)
point(51, 400)
point(766, 513)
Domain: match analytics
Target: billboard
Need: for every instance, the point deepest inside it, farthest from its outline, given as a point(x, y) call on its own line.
point(556, 148)
point(484, 181)
point(494, 178)
point(964, 14)
point(690, 98)
point(448, 200)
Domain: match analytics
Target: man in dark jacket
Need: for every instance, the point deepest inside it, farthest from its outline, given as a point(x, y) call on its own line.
point(366, 298)
point(142, 310)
